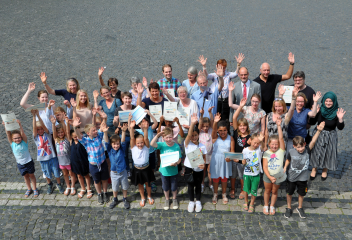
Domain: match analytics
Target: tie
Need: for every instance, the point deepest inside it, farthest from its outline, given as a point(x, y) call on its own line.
point(244, 91)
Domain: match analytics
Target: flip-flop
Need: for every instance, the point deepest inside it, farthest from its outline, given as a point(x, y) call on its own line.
point(266, 210)
point(67, 191)
point(241, 196)
point(73, 191)
point(150, 200)
point(142, 203)
point(272, 210)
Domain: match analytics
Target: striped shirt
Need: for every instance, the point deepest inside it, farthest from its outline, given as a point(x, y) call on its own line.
point(95, 148)
point(227, 78)
point(172, 84)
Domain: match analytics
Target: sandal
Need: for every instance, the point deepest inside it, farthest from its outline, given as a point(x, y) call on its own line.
point(150, 200)
point(225, 200)
point(232, 194)
point(245, 207)
point(28, 192)
point(241, 196)
point(266, 210)
point(251, 209)
point(73, 191)
point(272, 210)
point(142, 203)
point(36, 193)
point(81, 193)
point(67, 191)
point(215, 199)
point(90, 194)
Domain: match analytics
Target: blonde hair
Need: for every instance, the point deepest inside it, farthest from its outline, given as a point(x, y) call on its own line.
point(72, 80)
point(167, 131)
point(273, 137)
point(244, 122)
point(88, 127)
point(282, 102)
point(302, 95)
point(38, 124)
point(105, 87)
point(87, 103)
point(58, 127)
point(59, 110)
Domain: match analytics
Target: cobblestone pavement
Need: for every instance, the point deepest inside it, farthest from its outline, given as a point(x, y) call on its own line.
point(74, 38)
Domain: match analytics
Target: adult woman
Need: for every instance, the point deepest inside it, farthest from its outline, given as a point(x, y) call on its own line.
point(82, 109)
point(324, 153)
point(134, 91)
point(155, 98)
point(108, 105)
point(112, 83)
point(191, 83)
point(279, 110)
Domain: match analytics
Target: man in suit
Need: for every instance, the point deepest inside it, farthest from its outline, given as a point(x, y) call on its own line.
point(244, 88)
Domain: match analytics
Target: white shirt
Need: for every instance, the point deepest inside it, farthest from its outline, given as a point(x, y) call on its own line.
point(140, 156)
point(193, 107)
point(190, 148)
point(227, 78)
point(254, 158)
point(248, 83)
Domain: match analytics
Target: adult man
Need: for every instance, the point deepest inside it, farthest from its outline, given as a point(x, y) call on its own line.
point(168, 82)
point(243, 89)
point(206, 98)
point(222, 105)
point(269, 81)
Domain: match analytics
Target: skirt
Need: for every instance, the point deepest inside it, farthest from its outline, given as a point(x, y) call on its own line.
point(324, 152)
point(141, 176)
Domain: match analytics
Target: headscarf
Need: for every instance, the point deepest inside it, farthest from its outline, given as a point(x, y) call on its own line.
point(329, 113)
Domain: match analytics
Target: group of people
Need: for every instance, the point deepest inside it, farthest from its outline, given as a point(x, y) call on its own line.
point(88, 139)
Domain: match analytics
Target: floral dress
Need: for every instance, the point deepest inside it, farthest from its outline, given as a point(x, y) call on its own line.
point(207, 141)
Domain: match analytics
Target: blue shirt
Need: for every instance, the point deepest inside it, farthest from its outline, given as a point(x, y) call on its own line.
point(150, 137)
point(190, 89)
point(211, 101)
point(95, 148)
point(21, 152)
point(117, 158)
point(110, 112)
point(298, 123)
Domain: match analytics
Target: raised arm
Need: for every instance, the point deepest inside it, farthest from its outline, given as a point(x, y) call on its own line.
point(281, 135)
point(168, 95)
point(145, 126)
point(53, 121)
point(43, 77)
point(34, 122)
point(145, 85)
point(155, 122)
point(104, 128)
point(41, 122)
point(203, 61)
point(230, 100)
point(160, 123)
point(131, 125)
point(282, 91)
point(200, 125)
point(95, 96)
point(220, 72)
point(153, 143)
point(181, 132)
point(23, 103)
point(314, 111)
point(68, 132)
point(211, 116)
point(214, 133)
point(340, 113)
point(75, 124)
point(140, 91)
point(100, 73)
point(8, 134)
point(239, 60)
point(194, 121)
point(320, 128)
point(237, 113)
point(290, 112)
point(124, 129)
point(288, 75)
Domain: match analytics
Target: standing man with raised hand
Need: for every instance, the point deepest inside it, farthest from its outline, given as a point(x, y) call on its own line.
point(269, 81)
point(222, 105)
point(168, 82)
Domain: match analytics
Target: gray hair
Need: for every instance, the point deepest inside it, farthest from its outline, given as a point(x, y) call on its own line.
point(299, 74)
point(135, 80)
point(182, 88)
point(192, 70)
point(261, 66)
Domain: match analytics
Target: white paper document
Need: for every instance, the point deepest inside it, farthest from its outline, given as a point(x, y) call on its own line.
point(170, 109)
point(123, 115)
point(156, 111)
point(10, 121)
point(288, 94)
point(39, 107)
point(233, 155)
point(183, 115)
point(169, 158)
point(195, 158)
point(138, 114)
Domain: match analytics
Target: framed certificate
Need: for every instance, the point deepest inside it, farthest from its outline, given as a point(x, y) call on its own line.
point(195, 158)
point(170, 109)
point(123, 115)
point(156, 111)
point(287, 97)
point(169, 158)
point(233, 155)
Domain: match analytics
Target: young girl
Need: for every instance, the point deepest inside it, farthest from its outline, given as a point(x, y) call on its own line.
point(142, 172)
point(273, 161)
point(25, 164)
point(191, 144)
point(252, 157)
point(221, 168)
point(79, 160)
point(205, 131)
point(63, 155)
point(241, 136)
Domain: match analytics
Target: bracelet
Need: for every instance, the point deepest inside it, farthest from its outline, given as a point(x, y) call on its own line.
point(238, 64)
point(293, 98)
point(204, 68)
point(292, 63)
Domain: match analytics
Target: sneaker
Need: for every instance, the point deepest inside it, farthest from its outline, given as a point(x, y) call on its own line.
point(175, 204)
point(61, 188)
point(301, 212)
point(50, 189)
point(202, 189)
point(106, 197)
point(198, 206)
point(191, 207)
point(153, 186)
point(113, 204)
point(167, 205)
point(100, 199)
point(288, 213)
point(126, 204)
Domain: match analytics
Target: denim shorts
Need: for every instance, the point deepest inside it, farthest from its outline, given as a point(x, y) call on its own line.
point(101, 175)
point(118, 179)
point(169, 182)
point(50, 167)
point(26, 168)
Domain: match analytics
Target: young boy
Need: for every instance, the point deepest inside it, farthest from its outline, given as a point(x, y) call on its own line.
point(116, 150)
point(98, 167)
point(297, 175)
point(25, 164)
point(45, 154)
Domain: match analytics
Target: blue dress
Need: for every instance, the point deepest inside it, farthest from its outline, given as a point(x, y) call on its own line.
point(218, 166)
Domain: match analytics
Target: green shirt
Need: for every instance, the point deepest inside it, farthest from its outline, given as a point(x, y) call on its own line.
point(164, 148)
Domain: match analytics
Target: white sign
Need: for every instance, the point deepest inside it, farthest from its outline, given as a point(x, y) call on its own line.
point(287, 97)
point(156, 111)
point(10, 121)
point(170, 109)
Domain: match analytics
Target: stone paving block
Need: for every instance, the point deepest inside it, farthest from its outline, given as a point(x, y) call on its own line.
point(26, 202)
point(13, 202)
point(222, 207)
point(322, 210)
point(16, 196)
point(61, 203)
point(209, 206)
point(236, 208)
point(5, 196)
point(317, 204)
point(37, 202)
point(335, 211)
point(49, 197)
point(85, 203)
point(50, 202)
point(183, 206)
point(330, 205)
point(347, 211)
point(3, 202)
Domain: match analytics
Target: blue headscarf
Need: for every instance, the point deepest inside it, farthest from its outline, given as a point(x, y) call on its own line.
point(329, 113)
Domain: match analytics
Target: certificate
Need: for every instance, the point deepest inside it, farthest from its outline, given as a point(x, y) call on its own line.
point(170, 109)
point(39, 107)
point(156, 111)
point(138, 114)
point(233, 155)
point(195, 158)
point(169, 158)
point(288, 94)
point(123, 115)
point(10, 121)
point(183, 115)
point(171, 91)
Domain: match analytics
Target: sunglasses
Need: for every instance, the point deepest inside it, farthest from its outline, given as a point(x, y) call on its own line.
point(278, 99)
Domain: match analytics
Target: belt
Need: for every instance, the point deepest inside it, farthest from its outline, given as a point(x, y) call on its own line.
point(141, 166)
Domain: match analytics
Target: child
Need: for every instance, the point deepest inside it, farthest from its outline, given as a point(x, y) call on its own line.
point(98, 167)
point(273, 161)
point(241, 135)
point(177, 131)
point(79, 160)
point(191, 144)
point(297, 175)
point(25, 164)
point(60, 114)
point(220, 169)
point(116, 150)
point(205, 131)
point(252, 156)
point(63, 155)
point(141, 172)
point(168, 174)
point(45, 154)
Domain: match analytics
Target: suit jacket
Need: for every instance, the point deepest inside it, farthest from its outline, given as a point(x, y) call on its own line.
point(237, 95)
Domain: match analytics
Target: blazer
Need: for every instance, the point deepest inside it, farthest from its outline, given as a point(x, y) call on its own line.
point(237, 95)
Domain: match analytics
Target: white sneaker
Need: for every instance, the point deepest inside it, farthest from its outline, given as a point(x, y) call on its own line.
point(198, 206)
point(191, 207)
